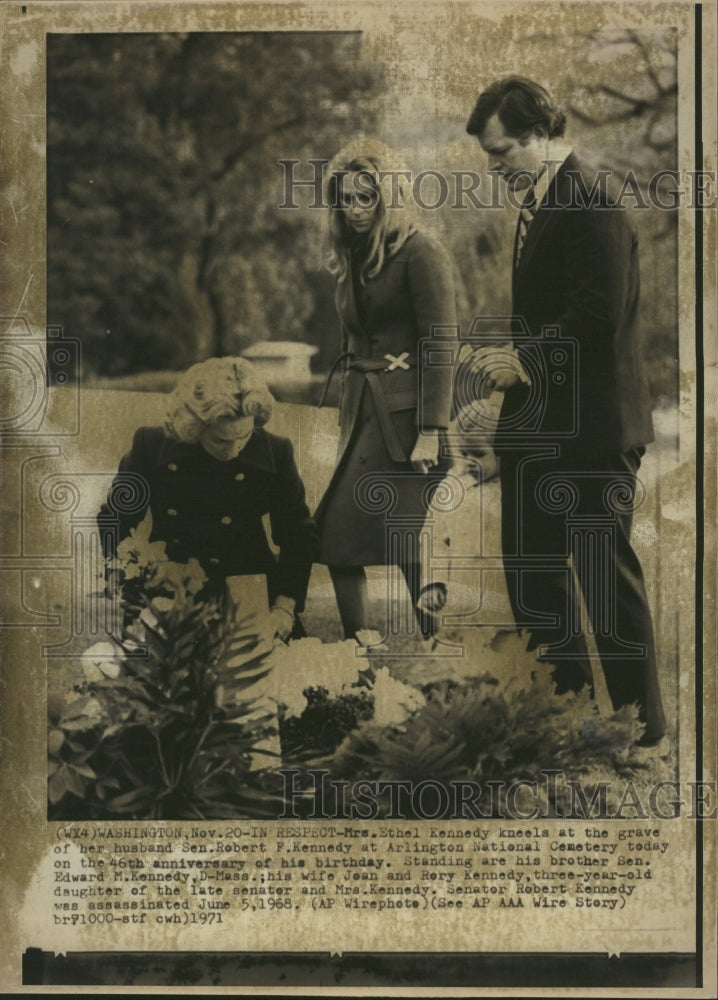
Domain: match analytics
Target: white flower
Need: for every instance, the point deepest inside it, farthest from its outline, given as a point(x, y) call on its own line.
point(136, 553)
point(394, 702)
point(310, 663)
point(161, 606)
point(101, 661)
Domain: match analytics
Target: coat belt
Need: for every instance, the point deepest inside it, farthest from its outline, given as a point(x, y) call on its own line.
point(387, 362)
point(370, 367)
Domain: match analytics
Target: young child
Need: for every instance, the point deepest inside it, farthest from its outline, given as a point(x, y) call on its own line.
point(462, 571)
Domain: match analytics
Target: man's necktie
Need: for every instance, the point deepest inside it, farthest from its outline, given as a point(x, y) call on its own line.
point(526, 215)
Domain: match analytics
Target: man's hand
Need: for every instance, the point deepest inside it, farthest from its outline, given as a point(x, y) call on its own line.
point(426, 451)
point(500, 367)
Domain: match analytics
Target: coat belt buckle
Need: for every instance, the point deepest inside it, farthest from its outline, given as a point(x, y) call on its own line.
point(397, 362)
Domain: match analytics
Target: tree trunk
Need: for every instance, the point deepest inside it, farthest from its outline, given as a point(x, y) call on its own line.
point(216, 332)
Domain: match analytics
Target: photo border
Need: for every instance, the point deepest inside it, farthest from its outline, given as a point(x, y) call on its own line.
point(680, 970)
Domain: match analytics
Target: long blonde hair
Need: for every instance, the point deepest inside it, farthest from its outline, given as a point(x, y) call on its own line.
point(396, 215)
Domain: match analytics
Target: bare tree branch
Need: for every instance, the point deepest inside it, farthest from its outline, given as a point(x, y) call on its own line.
point(650, 70)
point(232, 159)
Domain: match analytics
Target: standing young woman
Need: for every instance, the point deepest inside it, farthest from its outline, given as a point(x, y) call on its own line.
point(394, 289)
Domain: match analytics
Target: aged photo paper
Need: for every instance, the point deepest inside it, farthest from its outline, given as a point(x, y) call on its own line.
point(292, 710)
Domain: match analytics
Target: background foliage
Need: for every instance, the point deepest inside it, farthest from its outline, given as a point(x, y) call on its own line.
point(165, 241)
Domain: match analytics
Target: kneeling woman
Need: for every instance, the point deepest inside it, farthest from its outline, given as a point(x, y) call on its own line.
point(213, 472)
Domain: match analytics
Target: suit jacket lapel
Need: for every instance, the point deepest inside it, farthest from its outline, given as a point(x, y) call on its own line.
point(540, 220)
point(545, 214)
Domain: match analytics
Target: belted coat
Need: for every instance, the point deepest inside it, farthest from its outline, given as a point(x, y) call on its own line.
point(399, 336)
point(212, 510)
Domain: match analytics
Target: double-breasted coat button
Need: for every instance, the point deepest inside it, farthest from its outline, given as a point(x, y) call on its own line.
point(239, 477)
point(226, 520)
point(172, 512)
point(172, 467)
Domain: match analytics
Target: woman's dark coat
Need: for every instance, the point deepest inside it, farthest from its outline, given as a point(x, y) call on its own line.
point(213, 510)
point(411, 300)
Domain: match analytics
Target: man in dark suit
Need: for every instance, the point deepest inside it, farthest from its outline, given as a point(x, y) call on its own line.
point(572, 435)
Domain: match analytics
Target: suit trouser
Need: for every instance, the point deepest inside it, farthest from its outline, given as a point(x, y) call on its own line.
point(553, 508)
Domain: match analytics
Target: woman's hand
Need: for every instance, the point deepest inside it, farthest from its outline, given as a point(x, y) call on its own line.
point(426, 451)
point(281, 617)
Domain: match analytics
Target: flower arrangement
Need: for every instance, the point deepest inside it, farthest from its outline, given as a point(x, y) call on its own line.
point(469, 726)
point(323, 691)
point(174, 715)
point(166, 722)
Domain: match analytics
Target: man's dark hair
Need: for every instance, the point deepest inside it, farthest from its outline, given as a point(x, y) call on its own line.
point(521, 105)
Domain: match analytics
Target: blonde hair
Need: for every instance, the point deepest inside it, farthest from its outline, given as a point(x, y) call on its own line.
point(396, 217)
point(474, 427)
point(217, 389)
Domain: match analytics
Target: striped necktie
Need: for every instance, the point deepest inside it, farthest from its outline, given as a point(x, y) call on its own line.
point(526, 215)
